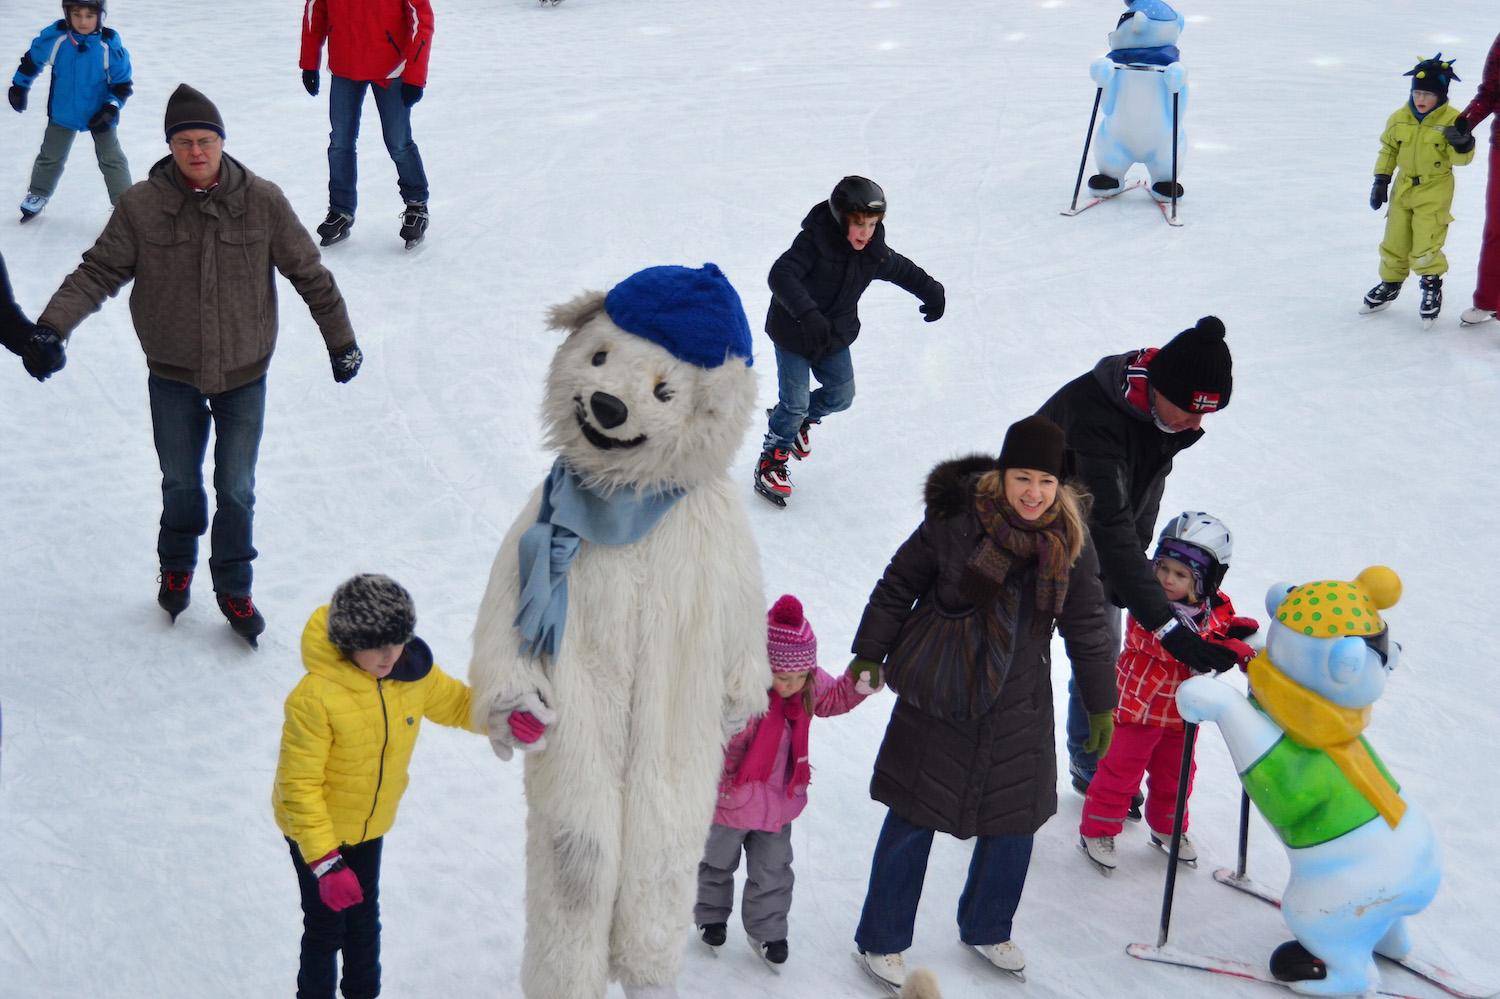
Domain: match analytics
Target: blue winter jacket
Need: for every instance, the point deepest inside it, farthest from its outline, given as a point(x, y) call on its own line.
point(88, 71)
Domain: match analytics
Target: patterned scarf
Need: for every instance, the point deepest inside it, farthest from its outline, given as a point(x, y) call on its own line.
point(760, 758)
point(1011, 541)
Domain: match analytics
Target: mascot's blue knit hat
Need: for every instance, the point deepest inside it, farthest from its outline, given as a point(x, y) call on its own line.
point(695, 314)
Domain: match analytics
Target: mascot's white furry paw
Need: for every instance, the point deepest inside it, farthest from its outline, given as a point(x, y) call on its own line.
point(503, 737)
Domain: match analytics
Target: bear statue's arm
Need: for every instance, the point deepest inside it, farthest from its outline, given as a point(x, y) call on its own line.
point(499, 671)
point(1175, 77)
point(742, 609)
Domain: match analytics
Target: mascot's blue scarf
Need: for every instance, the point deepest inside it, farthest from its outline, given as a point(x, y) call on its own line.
point(570, 512)
point(1156, 55)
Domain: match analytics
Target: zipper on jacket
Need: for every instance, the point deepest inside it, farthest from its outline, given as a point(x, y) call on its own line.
point(385, 741)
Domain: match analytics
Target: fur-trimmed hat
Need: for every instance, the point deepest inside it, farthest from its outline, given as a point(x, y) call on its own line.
point(1194, 370)
point(695, 314)
point(187, 108)
point(370, 611)
point(1035, 442)
point(790, 643)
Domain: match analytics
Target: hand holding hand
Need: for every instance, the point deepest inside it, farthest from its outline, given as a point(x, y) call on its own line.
point(337, 885)
point(310, 82)
point(933, 305)
point(43, 354)
point(1187, 647)
point(17, 97)
point(1101, 733)
point(1379, 190)
point(346, 363)
point(104, 119)
point(866, 673)
point(410, 93)
point(1458, 136)
point(1243, 653)
point(519, 723)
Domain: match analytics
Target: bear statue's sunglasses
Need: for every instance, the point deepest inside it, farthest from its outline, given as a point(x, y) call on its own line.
point(1380, 644)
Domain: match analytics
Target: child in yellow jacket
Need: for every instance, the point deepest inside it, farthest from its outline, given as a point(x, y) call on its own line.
point(1417, 146)
point(351, 725)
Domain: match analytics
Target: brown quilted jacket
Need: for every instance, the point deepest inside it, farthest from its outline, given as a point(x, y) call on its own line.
point(204, 300)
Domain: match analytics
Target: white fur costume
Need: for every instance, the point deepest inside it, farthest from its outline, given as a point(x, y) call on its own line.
point(664, 649)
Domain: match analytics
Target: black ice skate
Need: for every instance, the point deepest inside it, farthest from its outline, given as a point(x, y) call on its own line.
point(714, 935)
point(771, 477)
point(243, 618)
point(1432, 299)
point(414, 223)
point(335, 228)
point(174, 595)
point(1380, 297)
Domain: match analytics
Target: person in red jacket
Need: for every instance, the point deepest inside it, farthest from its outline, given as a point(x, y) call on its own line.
point(1487, 289)
point(1191, 559)
point(382, 46)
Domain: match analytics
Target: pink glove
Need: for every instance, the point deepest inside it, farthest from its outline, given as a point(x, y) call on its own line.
point(525, 726)
point(337, 885)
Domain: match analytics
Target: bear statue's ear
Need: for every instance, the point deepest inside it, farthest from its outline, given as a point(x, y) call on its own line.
point(572, 315)
point(1346, 660)
point(1275, 595)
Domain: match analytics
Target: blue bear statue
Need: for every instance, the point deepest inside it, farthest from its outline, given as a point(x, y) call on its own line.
point(1138, 80)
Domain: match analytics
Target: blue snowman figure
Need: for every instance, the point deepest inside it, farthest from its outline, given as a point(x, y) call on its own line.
point(1138, 80)
point(1362, 857)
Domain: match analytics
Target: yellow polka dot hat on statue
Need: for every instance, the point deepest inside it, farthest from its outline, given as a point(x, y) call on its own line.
point(1332, 608)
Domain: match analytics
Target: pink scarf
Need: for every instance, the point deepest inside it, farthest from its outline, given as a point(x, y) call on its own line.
point(761, 756)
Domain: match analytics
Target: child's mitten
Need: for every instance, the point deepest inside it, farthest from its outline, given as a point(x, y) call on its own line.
point(337, 885)
point(1378, 190)
point(17, 97)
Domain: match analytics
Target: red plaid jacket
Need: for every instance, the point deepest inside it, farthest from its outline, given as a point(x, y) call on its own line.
point(1147, 676)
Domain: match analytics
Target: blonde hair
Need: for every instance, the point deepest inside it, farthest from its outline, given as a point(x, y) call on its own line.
point(1072, 503)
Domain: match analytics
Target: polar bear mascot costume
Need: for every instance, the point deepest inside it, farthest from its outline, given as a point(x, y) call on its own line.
point(623, 633)
point(1139, 79)
point(1363, 858)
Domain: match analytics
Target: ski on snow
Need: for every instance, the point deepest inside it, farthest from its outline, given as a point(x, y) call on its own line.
point(1104, 197)
point(1221, 966)
point(1449, 981)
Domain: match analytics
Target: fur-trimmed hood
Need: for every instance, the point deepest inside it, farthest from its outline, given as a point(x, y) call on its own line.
point(945, 493)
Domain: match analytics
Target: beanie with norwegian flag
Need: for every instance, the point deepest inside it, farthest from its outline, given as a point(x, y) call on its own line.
point(1193, 371)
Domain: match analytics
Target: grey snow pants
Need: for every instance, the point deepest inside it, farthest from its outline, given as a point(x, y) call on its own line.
point(58, 140)
point(768, 880)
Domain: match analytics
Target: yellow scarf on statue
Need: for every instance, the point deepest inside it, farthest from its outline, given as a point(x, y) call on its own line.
point(1313, 721)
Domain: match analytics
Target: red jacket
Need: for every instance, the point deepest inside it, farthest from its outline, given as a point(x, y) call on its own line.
point(1488, 95)
point(376, 40)
point(1147, 675)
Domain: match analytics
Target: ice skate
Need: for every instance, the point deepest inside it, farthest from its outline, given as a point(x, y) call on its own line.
point(246, 621)
point(885, 970)
point(771, 477)
point(1005, 956)
point(772, 952)
point(1380, 297)
point(1432, 299)
point(713, 936)
point(1187, 853)
point(174, 595)
point(801, 444)
point(335, 228)
point(1101, 852)
point(1473, 317)
point(414, 223)
point(31, 207)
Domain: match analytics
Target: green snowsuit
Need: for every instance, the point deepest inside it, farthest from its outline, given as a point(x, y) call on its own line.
point(1417, 221)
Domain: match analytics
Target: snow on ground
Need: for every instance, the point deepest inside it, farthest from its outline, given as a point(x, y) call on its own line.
point(568, 147)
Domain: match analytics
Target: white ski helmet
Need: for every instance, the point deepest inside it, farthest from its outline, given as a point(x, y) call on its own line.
point(1202, 542)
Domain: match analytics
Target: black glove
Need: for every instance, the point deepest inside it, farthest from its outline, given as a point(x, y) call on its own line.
point(346, 363)
point(1378, 190)
point(410, 93)
point(310, 82)
point(933, 305)
point(1183, 644)
point(816, 333)
point(42, 354)
point(104, 119)
point(17, 97)
point(1458, 136)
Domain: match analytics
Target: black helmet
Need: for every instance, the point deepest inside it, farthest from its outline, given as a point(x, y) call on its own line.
point(856, 195)
point(96, 4)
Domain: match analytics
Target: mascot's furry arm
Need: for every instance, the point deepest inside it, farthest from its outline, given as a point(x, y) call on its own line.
point(747, 672)
point(502, 677)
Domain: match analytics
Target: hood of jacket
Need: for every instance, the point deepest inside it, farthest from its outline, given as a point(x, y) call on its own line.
point(1110, 374)
point(948, 491)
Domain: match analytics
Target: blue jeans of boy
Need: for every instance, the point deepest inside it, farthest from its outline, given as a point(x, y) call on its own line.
point(355, 930)
point(345, 99)
point(997, 874)
point(835, 393)
point(180, 417)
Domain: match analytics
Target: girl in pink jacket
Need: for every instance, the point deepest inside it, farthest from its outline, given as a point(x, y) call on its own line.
point(764, 787)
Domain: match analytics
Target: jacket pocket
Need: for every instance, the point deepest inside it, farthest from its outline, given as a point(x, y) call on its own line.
point(245, 294)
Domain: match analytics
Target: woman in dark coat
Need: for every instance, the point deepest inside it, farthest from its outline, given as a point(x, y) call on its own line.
point(962, 623)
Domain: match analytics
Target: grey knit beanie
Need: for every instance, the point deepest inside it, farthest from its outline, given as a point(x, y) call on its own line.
point(370, 611)
point(188, 108)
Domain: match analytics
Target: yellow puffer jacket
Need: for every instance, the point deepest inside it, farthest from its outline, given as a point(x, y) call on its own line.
point(348, 738)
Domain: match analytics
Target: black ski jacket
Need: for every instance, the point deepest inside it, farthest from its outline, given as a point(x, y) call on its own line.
point(15, 328)
point(822, 271)
point(1123, 459)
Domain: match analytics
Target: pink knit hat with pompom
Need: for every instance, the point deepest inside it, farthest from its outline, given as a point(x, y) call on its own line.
point(790, 643)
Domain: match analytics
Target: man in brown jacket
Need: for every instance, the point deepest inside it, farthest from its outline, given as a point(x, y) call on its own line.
point(200, 237)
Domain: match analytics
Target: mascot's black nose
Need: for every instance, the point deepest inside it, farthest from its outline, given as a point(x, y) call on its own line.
point(609, 411)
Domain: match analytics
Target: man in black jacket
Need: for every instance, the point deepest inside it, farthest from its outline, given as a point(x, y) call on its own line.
point(814, 317)
point(1125, 422)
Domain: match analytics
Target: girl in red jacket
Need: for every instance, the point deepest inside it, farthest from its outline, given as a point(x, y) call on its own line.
point(1191, 558)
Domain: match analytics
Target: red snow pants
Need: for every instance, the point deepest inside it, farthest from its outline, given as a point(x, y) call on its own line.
point(1487, 289)
point(1137, 750)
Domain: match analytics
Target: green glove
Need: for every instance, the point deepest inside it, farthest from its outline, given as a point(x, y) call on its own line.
point(1101, 731)
point(866, 673)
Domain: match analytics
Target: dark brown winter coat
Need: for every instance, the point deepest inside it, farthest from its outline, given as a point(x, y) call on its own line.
point(204, 301)
point(997, 774)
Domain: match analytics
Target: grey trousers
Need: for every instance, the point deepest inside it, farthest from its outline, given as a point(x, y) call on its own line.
point(56, 143)
point(768, 880)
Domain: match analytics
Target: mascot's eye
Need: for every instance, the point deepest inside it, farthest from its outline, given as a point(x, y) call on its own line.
point(599, 357)
point(662, 392)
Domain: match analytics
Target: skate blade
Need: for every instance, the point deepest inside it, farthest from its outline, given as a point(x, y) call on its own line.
point(327, 241)
point(776, 498)
point(1428, 323)
point(1019, 974)
point(774, 969)
point(1108, 872)
point(891, 988)
point(1366, 310)
point(1166, 852)
point(412, 244)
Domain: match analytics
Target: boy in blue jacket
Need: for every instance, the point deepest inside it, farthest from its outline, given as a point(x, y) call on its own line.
point(90, 81)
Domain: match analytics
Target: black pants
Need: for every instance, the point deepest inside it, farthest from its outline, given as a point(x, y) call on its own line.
point(355, 930)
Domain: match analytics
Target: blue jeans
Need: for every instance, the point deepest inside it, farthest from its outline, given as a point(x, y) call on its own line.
point(1080, 763)
point(345, 99)
point(180, 416)
point(835, 375)
point(997, 874)
point(355, 930)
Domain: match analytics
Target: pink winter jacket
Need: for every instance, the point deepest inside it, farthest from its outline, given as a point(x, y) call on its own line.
point(764, 805)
